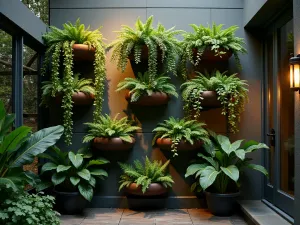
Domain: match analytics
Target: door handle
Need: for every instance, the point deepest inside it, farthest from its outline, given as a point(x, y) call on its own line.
point(272, 137)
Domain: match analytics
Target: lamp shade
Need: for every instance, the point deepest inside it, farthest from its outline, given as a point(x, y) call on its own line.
point(295, 72)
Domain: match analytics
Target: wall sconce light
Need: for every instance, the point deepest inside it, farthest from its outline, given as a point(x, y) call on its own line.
point(295, 73)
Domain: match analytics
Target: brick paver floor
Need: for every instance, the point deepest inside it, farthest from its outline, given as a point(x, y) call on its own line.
point(157, 217)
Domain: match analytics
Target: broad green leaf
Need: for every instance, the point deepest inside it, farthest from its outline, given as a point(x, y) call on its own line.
point(7, 182)
point(86, 191)
point(6, 124)
point(76, 160)
point(192, 169)
point(99, 161)
point(258, 168)
point(126, 138)
point(58, 178)
point(62, 168)
point(235, 145)
point(85, 174)
point(92, 181)
point(14, 139)
point(232, 171)
point(36, 144)
point(98, 172)
point(252, 148)
point(225, 143)
point(210, 160)
point(48, 166)
point(74, 180)
point(43, 185)
point(240, 153)
point(208, 177)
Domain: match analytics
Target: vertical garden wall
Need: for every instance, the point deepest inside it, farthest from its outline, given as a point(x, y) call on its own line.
point(111, 14)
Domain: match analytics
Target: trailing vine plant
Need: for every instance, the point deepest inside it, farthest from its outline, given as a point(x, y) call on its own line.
point(213, 37)
point(158, 40)
point(59, 44)
point(232, 93)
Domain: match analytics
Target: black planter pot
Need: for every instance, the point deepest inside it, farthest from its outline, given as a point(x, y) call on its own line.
point(221, 204)
point(70, 203)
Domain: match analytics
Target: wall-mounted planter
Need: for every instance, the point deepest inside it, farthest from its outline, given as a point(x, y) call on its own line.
point(82, 52)
point(210, 100)
point(154, 189)
point(166, 144)
point(78, 98)
point(156, 99)
point(210, 55)
point(112, 144)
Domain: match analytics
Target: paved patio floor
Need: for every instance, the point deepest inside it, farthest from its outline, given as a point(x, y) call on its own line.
point(157, 217)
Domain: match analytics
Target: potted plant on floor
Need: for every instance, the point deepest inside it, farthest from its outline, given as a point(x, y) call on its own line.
point(74, 42)
point(220, 169)
point(146, 43)
point(210, 43)
point(73, 175)
point(146, 92)
point(148, 180)
point(216, 90)
point(111, 134)
point(180, 134)
point(83, 92)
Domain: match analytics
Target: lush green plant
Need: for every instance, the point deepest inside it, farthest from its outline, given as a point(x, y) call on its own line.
point(110, 128)
point(77, 85)
point(18, 148)
point(180, 129)
point(223, 163)
point(232, 93)
point(28, 209)
point(131, 41)
point(145, 174)
point(61, 42)
point(74, 171)
point(142, 85)
point(213, 37)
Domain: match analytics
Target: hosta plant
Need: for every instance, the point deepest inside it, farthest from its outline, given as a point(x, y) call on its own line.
point(222, 164)
point(110, 128)
point(142, 85)
point(59, 43)
point(213, 37)
point(180, 130)
point(158, 40)
point(28, 209)
point(19, 147)
point(144, 174)
point(232, 93)
point(73, 171)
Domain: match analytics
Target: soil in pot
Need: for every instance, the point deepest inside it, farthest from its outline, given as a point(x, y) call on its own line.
point(82, 52)
point(222, 204)
point(78, 98)
point(70, 203)
point(154, 198)
point(112, 144)
point(210, 55)
point(156, 99)
point(210, 100)
point(166, 143)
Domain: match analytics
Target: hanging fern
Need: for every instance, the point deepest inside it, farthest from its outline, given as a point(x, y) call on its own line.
point(157, 40)
point(232, 93)
point(60, 43)
point(213, 37)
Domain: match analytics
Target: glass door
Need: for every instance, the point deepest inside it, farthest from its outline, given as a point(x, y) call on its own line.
point(279, 117)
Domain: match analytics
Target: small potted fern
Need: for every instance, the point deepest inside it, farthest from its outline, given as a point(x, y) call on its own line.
point(74, 42)
point(148, 180)
point(156, 45)
point(216, 90)
point(211, 43)
point(180, 134)
point(146, 92)
point(111, 134)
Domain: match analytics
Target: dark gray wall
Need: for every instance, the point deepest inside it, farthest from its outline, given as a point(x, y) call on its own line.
point(111, 14)
point(251, 7)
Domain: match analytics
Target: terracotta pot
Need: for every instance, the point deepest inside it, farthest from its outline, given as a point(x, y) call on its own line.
point(112, 144)
point(157, 98)
point(144, 54)
point(83, 53)
point(154, 189)
point(78, 98)
point(210, 55)
point(210, 100)
point(166, 143)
